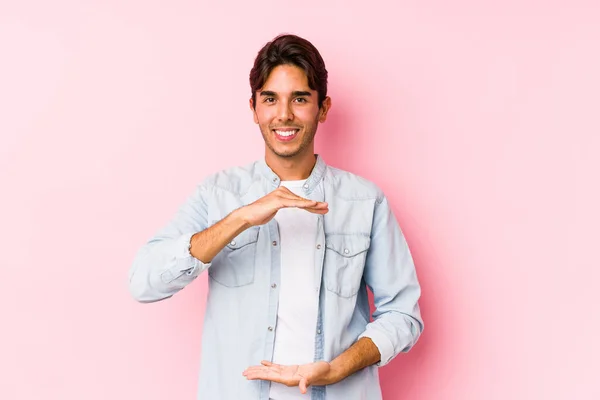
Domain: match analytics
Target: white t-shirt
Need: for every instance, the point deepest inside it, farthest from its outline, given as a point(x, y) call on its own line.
point(298, 302)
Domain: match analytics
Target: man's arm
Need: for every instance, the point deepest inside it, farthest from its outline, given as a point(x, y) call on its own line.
point(163, 265)
point(175, 256)
point(206, 244)
point(361, 354)
point(390, 273)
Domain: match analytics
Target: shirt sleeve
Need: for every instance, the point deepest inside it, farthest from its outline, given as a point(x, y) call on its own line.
point(164, 265)
point(391, 275)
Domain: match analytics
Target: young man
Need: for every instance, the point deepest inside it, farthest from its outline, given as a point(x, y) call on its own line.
point(290, 245)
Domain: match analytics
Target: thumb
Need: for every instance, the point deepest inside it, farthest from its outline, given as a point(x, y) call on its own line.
point(303, 385)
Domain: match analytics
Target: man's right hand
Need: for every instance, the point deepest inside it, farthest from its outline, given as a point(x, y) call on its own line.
point(206, 244)
point(264, 209)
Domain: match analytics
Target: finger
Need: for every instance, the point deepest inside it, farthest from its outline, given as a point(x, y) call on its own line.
point(288, 195)
point(292, 196)
point(318, 206)
point(256, 377)
point(255, 373)
point(321, 204)
point(257, 368)
point(275, 368)
point(314, 204)
point(252, 371)
point(264, 375)
point(321, 211)
point(300, 203)
point(302, 385)
point(266, 363)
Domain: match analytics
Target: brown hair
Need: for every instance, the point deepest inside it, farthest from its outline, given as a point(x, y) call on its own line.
point(290, 50)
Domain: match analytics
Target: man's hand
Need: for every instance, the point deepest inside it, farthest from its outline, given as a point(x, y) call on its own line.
point(264, 209)
point(319, 373)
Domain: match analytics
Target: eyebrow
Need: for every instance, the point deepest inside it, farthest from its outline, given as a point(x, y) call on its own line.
point(295, 93)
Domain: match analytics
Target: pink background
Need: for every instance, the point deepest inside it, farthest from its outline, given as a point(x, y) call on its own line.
point(479, 121)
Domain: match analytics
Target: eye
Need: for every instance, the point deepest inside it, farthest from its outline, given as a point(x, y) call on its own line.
point(300, 99)
point(269, 99)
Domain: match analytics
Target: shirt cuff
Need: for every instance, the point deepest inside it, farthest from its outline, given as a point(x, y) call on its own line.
point(383, 344)
point(185, 265)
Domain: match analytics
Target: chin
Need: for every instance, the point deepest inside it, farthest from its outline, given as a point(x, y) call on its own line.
point(287, 154)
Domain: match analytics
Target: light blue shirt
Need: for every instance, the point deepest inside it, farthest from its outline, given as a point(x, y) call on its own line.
point(359, 244)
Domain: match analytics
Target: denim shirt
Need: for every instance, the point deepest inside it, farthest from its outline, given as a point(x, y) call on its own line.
point(359, 244)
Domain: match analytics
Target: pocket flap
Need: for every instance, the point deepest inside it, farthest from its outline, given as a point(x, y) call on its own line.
point(348, 245)
point(248, 236)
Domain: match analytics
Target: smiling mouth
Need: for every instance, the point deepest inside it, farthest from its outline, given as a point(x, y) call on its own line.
point(285, 135)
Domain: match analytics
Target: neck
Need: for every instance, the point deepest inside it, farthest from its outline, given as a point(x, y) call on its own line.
point(293, 168)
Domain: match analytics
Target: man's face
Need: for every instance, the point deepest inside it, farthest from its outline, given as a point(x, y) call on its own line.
point(288, 113)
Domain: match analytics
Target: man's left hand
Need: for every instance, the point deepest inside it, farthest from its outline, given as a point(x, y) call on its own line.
point(318, 373)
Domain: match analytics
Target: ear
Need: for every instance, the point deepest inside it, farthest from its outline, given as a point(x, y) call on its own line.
point(251, 103)
point(325, 109)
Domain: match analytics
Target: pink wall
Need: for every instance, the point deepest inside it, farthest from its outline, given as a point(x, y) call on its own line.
point(479, 121)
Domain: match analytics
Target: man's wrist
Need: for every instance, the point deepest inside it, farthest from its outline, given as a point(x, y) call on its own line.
point(334, 375)
point(238, 217)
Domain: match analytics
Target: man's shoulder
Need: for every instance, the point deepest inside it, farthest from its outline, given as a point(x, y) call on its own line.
point(351, 185)
point(235, 179)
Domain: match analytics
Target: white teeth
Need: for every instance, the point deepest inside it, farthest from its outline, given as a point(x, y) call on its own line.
point(286, 133)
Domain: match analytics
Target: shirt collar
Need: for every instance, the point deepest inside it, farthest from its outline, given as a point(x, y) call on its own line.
point(313, 180)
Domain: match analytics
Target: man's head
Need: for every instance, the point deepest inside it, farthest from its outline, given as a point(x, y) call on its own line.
point(289, 95)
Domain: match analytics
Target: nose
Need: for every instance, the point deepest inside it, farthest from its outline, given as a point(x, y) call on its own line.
point(285, 112)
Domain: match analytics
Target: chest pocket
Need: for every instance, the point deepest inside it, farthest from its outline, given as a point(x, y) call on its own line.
point(234, 265)
point(344, 263)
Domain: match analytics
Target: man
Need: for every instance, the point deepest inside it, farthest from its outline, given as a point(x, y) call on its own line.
point(290, 245)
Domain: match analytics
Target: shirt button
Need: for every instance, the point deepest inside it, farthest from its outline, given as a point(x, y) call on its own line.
point(318, 246)
point(274, 179)
point(319, 331)
point(232, 243)
point(306, 186)
point(274, 243)
point(270, 329)
point(346, 251)
point(274, 285)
